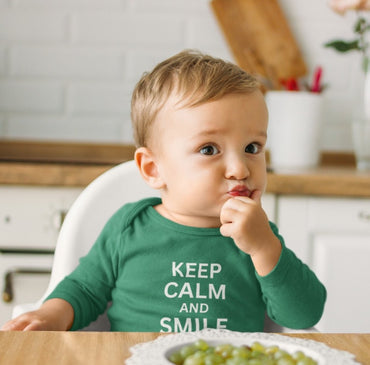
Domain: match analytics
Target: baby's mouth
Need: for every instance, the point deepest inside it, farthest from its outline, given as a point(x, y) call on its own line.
point(240, 190)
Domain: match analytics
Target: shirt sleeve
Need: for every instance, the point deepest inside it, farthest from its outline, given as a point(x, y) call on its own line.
point(294, 296)
point(88, 288)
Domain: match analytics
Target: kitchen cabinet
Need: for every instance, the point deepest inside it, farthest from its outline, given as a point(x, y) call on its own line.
point(30, 219)
point(24, 279)
point(332, 235)
point(268, 202)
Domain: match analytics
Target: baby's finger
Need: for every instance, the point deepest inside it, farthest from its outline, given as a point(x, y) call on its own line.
point(14, 325)
point(226, 229)
point(228, 211)
point(256, 196)
point(233, 208)
point(34, 326)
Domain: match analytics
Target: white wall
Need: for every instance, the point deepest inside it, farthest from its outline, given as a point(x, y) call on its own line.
point(67, 67)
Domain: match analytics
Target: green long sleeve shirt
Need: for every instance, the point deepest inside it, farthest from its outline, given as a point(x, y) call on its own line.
point(163, 276)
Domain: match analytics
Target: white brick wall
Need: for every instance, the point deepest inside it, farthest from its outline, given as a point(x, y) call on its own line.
point(32, 26)
point(66, 127)
point(28, 96)
point(66, 62)
point(67, 67)
point(99, 98)
point(70, 4)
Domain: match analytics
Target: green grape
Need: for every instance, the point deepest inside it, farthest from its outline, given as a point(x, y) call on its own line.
point(210, 350)
point(199, 355)
point(188, 350)
point(193, 360)
point(272, 349)
point(268, 361)
point(237, 361)
point(256, 346)
point(306, 361)
point(255, 362)
point(224, 350)
point(201, 345)
point(242, 352)
point(176, 358)
point(299, 355)
point(280, 353)
point(257, 354)
point(213, 359)
point(286, 360)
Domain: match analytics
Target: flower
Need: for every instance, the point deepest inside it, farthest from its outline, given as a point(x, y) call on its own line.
point(362, 26)
point(341, 6)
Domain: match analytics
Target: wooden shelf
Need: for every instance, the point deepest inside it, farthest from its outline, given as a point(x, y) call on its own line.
point(83, 153)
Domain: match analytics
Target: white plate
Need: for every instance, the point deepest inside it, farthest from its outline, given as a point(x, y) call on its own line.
point(156, 352)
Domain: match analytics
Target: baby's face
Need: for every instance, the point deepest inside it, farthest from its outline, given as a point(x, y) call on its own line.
point(208, 154)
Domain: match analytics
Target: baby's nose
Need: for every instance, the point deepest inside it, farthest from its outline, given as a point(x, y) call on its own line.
point(237, 169)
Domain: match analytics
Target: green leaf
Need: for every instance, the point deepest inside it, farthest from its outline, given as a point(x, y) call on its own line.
point(343, 46)
point(360, 25)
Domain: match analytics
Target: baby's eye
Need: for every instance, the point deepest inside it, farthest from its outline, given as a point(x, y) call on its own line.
point(209, 150)
point(252, 148)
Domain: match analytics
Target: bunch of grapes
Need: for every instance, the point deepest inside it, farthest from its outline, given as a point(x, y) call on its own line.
point(201, 353)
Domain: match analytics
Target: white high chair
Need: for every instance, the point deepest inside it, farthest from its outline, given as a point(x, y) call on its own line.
point(84, 221)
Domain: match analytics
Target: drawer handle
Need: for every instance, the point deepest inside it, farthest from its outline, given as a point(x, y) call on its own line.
point(8, 281)
point(364, 216)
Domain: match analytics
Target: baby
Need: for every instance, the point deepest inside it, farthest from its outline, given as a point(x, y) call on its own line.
point(204, 254)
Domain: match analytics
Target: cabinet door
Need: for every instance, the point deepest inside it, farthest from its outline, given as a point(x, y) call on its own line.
point(30, 217)
point(24, 279)
point(292, 219)
point(332, 235)
point(269, 205)
point(342, 264)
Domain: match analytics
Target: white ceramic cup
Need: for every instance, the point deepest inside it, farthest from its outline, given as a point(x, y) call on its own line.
point(295, 119)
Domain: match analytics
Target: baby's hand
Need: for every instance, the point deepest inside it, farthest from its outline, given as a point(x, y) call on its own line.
point(54, 315)
point(244, 220)
point(31, 321)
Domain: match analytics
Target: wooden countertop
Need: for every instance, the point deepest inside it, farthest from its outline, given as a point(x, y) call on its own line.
point(113, 348)
point(321, 181)
point(53, 164)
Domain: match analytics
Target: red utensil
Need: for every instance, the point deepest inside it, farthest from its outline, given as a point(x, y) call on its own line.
point(316, 84)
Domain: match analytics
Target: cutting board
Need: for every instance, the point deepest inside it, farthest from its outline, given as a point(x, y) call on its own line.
point(260, 39)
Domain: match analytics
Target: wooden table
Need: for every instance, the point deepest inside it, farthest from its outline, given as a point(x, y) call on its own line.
point(19, 348)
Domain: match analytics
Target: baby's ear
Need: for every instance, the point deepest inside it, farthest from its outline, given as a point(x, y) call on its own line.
point(148, 168)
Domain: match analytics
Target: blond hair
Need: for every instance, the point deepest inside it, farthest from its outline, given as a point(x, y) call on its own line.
point(194, 77)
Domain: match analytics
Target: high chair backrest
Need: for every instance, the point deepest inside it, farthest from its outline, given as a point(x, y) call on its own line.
point(86, 218)
point(89, 213)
